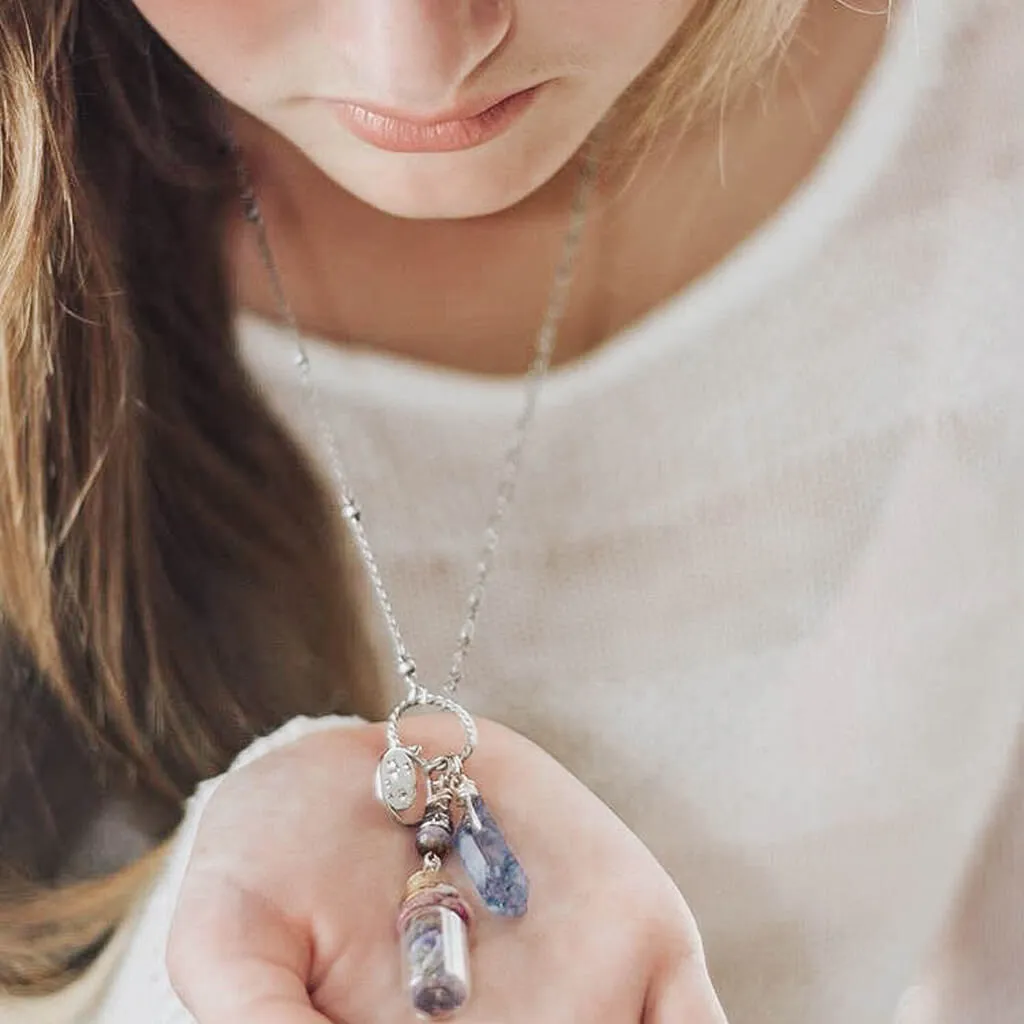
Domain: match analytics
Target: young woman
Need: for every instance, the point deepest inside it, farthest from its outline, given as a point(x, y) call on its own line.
point(762, 587)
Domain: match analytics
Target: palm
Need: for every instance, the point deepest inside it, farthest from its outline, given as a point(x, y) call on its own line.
point(288, 908)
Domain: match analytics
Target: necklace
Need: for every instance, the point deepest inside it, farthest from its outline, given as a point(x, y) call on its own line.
point(435, 795)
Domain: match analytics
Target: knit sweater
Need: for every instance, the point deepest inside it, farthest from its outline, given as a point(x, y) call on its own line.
point(763, 588)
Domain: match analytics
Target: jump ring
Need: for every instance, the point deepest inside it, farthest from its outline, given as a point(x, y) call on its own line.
point(434, 700)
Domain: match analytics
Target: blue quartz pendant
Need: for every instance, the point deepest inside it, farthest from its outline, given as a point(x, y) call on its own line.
point(492, 867)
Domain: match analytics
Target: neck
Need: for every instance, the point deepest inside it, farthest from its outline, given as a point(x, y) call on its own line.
point(471, 294)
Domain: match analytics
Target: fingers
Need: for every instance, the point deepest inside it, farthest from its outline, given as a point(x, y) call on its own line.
point(684, 995)
point(252, 992)
point(237, 960)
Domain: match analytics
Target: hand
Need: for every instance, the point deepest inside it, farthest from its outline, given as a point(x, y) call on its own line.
point(287, 912)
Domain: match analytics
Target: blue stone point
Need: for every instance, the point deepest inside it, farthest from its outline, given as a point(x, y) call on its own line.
point(492, 867)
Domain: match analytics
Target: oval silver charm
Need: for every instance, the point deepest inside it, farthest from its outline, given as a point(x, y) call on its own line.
point(397, 780)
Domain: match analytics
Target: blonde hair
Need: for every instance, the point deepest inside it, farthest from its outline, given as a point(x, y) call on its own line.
point(724, 48)
point(167, 585)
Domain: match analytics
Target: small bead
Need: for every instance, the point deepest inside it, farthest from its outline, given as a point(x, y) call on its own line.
point(351, 511)
point(302, 360)
point(407, 668)
point(434, 838)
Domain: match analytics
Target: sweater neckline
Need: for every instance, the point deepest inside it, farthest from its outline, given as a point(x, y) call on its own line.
point(865, 143)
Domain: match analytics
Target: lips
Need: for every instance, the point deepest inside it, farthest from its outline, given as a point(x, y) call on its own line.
point(466, 128)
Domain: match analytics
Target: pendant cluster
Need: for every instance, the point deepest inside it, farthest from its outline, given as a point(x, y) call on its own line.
point(443, 804)
point(435, 920)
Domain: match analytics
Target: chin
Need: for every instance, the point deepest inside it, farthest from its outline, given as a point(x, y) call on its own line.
point(419, 199)
point(449, 186)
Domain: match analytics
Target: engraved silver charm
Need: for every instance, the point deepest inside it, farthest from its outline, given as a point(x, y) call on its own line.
point(397, 781)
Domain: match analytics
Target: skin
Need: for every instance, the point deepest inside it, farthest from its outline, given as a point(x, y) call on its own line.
point(278, 60)
point(436, 252)
point(303, 932)
point(443, 283)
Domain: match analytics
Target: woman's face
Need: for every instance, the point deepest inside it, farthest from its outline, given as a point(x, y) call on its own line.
point(424, 108)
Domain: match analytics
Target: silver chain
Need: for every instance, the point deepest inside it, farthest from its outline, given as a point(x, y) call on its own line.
point(511, 463)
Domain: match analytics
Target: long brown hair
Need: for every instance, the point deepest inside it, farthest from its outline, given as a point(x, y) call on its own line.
point(169, 577)
point(171, 581)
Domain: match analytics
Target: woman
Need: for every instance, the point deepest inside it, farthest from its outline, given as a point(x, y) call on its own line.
point(762, 588)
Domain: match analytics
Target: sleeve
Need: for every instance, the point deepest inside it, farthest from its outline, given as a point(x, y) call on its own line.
point(137, 987)
point(976, 973)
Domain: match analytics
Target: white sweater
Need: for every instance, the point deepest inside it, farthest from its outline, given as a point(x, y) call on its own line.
point(763, 588)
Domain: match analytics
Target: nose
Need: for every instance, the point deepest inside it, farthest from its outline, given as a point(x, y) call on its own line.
point(416, 55)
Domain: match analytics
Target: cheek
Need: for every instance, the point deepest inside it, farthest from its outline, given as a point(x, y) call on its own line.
point(250, 50)
point(225, 41)
point(615, 37)
point(612, 20)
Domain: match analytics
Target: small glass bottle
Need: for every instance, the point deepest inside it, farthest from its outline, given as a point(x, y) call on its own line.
point(434, 927)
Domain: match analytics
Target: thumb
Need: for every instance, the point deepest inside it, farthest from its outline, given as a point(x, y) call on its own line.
point(683, 994)
point(233, 958)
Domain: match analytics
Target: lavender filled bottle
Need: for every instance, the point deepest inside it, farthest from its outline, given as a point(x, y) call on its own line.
point(434, 928)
